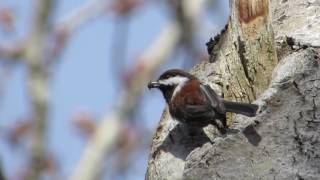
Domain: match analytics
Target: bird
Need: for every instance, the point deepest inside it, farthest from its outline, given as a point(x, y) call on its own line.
point(195, 103)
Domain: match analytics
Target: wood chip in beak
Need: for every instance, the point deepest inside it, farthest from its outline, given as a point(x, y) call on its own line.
point(154, 84)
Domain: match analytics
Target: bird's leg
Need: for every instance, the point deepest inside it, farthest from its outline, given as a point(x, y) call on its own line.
point(223, 120)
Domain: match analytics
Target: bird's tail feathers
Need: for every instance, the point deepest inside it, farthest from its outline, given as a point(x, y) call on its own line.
point(241, 108)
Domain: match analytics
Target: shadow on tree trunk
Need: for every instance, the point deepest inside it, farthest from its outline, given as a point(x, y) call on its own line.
point(183, 137)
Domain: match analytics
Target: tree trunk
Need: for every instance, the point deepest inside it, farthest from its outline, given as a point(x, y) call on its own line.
point(282, 142)
point(247, 56)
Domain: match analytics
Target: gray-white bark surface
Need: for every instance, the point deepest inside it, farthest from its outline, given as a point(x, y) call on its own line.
point(283, 141)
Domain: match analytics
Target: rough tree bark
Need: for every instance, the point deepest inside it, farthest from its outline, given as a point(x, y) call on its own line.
point(247, 53)
point(282, 142)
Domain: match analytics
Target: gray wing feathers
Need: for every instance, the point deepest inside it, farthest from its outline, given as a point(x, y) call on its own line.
point(213, 98)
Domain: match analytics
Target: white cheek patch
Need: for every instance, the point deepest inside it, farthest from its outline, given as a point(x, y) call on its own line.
point(175, 81)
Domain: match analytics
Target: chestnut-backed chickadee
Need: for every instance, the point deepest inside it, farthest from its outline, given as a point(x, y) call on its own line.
point(194, 103)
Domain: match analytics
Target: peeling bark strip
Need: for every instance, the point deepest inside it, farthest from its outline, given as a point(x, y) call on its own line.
point(249, 10)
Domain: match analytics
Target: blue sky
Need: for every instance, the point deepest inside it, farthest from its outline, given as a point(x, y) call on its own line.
point(83, 79)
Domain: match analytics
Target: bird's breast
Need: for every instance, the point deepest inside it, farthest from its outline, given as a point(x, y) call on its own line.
point(189, 94)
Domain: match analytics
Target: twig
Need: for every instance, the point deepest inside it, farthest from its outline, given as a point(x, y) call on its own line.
point(82, 15)
point(12, 52)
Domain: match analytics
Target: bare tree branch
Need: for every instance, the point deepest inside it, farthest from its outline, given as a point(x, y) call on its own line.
point(38, 85)
point(34, 49)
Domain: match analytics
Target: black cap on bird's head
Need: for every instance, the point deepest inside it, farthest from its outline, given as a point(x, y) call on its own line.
point(169, 80)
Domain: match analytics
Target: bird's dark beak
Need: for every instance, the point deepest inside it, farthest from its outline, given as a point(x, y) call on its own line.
point(153, 84)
